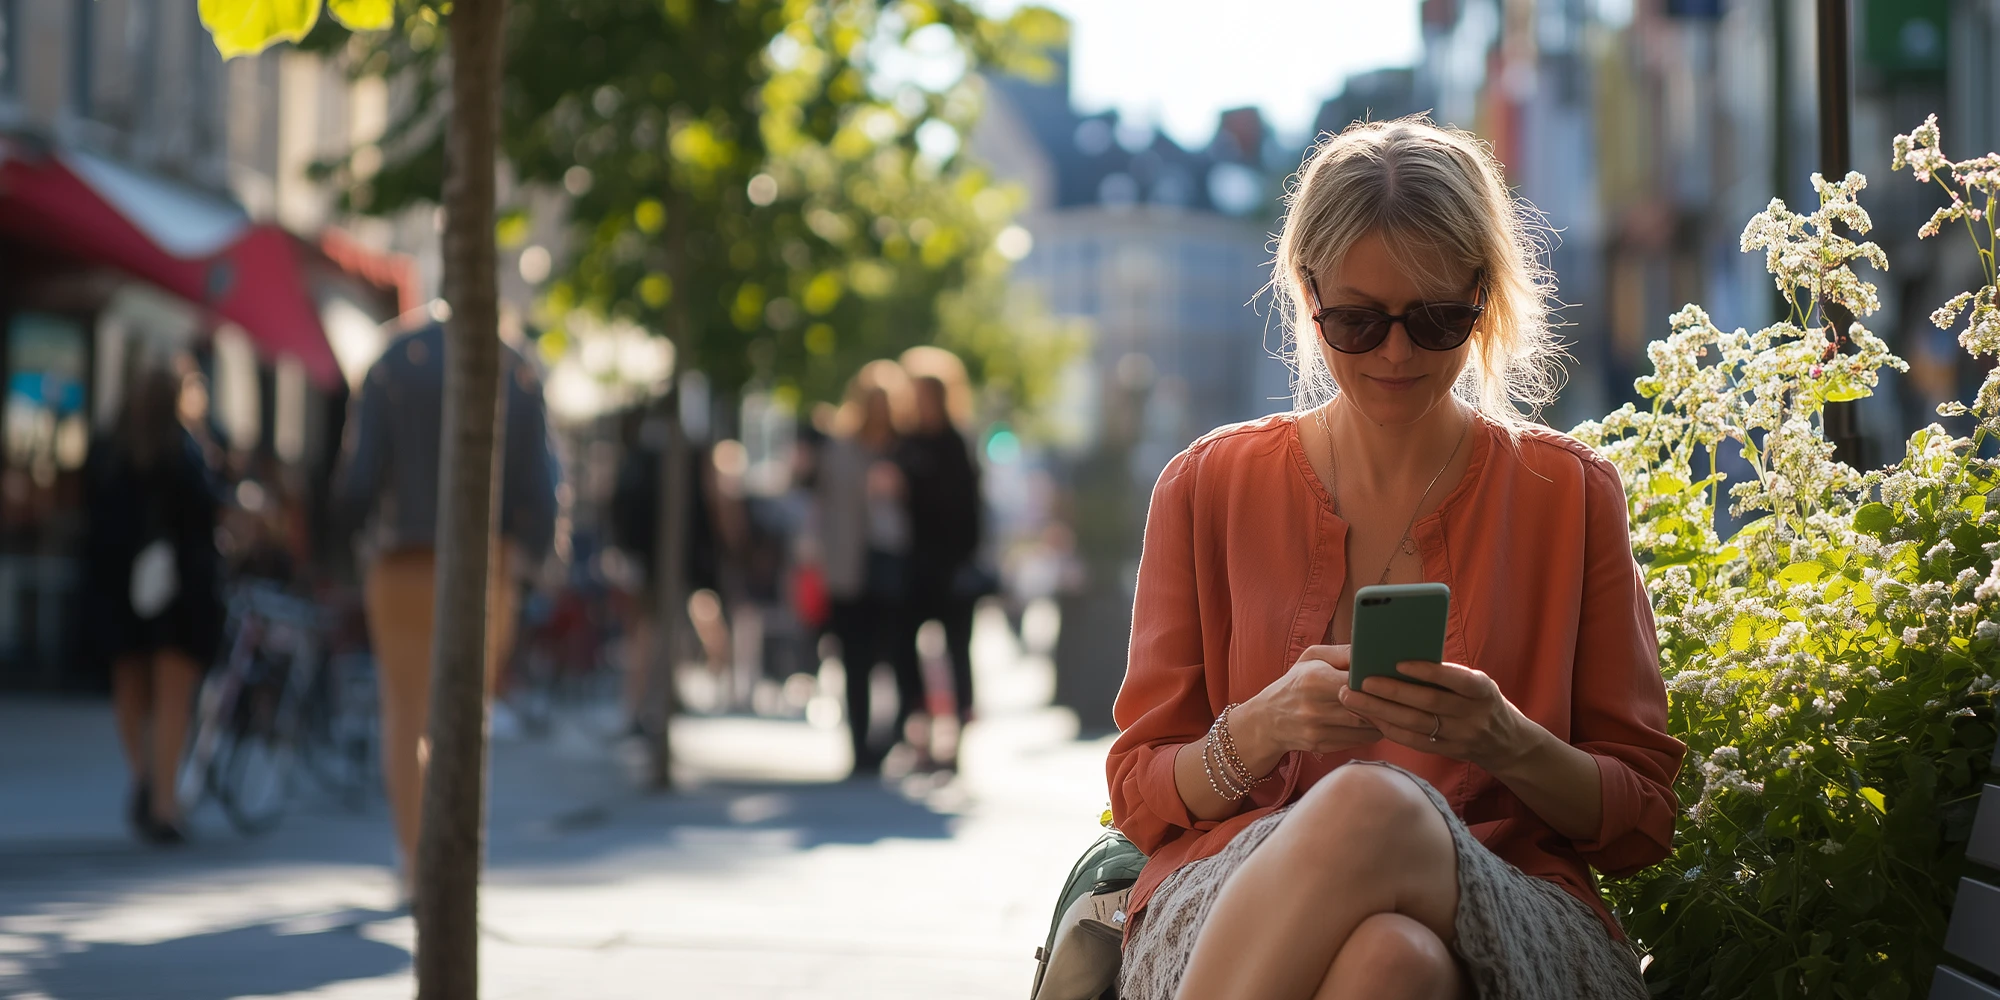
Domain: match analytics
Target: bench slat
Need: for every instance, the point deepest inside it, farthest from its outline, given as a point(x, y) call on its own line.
point(1974, 934)
point(1985, 845)
point(1951, 984)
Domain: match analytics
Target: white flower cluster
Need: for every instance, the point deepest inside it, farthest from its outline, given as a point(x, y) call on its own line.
point(1720, 773)
point(1825, 608)
point(1974, 187)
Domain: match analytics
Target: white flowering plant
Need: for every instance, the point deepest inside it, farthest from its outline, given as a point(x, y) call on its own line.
point(1832, 663)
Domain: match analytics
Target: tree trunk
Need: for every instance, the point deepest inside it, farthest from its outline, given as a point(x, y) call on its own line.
point(452, 846)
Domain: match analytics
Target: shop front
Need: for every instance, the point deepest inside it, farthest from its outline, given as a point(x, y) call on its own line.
point(104, 269)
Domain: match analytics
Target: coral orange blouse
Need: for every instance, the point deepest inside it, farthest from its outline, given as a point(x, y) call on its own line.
point(1243, 561)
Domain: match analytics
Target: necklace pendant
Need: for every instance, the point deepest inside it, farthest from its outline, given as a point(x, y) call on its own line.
point(1409, 546)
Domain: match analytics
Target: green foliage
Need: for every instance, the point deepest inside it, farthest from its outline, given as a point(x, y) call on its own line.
point(750, 178)
point(247, 27)
point(1832, 665)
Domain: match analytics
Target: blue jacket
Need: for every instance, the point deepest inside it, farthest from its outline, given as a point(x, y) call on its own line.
point(391, 458)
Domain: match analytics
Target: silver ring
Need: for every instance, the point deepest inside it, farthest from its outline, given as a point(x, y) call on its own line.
point(1435, 730)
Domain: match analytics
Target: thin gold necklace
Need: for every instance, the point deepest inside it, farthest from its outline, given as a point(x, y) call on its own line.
point(1406, 543)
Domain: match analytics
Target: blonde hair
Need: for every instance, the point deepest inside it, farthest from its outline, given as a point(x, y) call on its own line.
point(886, 377)
point(1436, 194)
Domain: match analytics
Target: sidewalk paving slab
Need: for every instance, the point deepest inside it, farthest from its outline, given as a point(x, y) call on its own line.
point(766, 877)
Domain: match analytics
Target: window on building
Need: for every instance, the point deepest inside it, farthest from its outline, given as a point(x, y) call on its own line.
point(45, 423)
point(9, 77)
point(82, 50)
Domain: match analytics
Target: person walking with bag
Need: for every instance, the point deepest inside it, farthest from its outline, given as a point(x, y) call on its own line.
point(389, 478)
point(153, 587)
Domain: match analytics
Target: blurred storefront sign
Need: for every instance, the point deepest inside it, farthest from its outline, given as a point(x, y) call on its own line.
point(1906, 38)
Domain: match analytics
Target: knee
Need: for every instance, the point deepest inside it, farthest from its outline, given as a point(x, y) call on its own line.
point(1390, 948)
point(1365, 805)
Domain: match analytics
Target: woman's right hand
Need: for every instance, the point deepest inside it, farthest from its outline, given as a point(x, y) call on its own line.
point(1301, 711)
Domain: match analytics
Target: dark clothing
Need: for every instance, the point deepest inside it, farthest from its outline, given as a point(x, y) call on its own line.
point(872, 629)
point(635, 516)
point(945, 523)
point(944, 504)
point(392, 461)
point(954, 612)
point(129, 508)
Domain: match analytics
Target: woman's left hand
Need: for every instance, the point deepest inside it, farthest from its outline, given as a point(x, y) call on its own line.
point(1472, 720)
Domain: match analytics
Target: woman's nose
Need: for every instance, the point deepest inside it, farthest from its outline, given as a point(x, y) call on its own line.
point(1397, 346)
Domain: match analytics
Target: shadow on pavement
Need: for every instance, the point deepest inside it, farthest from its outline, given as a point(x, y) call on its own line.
point(258, 960)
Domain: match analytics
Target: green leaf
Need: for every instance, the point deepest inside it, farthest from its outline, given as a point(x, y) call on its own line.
point(1875, 519)
point(363, 15)
point(1875, 799)
point(247, 27)
point(1741, 632)
point(1800, 572)
point(1846, 393)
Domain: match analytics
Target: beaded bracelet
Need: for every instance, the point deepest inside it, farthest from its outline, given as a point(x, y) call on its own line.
point(1227, 788)
point(1235, 760)
point(1221, 746)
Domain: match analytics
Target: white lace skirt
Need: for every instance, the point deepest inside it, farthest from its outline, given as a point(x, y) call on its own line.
point(1519, 937)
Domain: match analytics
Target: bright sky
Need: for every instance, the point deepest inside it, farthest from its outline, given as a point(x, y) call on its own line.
point(1181, 62)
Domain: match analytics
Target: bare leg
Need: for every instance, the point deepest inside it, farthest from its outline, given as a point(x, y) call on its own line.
point(132, 703)
point(176, 677)
point(1364, 841)
point(1392, 957)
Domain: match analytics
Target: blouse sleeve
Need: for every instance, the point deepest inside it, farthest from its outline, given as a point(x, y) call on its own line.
point(1163, 704)
point(1619, 700)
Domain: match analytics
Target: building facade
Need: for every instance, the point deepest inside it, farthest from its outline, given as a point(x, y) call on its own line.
point(1648, 132)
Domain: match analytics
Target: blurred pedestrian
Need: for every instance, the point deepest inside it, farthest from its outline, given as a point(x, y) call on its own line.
point(945, 512)
point(865, 549)
point(153, 586)
point(389, 477)
point(635, 522)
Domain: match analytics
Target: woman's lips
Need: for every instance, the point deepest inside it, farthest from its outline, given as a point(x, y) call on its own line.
point(1396, 383)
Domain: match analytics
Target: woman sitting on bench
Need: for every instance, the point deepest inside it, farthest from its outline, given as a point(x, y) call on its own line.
point(1309, 839)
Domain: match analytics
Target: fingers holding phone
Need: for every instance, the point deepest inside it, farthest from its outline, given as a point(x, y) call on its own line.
point(1447, 709)
point(1302, 710)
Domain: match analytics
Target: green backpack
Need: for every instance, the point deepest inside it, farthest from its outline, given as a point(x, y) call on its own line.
point(1080, 960)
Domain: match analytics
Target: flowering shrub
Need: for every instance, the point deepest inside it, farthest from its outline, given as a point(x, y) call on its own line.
point(1832, 664)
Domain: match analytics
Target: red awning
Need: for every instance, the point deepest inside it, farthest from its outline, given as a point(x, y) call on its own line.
point(202, 249)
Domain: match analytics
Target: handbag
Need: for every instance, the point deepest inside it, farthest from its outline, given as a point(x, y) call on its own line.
point(156, 576)
point(1083, 953)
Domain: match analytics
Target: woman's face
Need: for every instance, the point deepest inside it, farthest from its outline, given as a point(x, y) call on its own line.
point(1398, 382)
point(878, 420)
point(931, 412)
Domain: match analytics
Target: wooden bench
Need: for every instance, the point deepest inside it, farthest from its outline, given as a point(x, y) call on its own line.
point(1973, 937)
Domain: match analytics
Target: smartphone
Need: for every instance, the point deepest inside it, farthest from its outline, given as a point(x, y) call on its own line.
point(1397, 622)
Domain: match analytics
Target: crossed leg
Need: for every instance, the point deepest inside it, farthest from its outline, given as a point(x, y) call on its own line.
point(1352, 896)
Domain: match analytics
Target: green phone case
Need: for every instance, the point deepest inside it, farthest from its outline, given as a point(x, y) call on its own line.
point(1397, 622)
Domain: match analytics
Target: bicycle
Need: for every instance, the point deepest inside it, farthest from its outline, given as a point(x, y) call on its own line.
point(248, 719)
point(341, 728)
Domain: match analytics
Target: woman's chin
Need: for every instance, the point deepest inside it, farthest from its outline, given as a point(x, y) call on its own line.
point(1393, 407)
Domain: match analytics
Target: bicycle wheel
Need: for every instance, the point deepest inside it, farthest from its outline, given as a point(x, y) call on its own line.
point(339, 724)
point(256, 783)
point(255, 774)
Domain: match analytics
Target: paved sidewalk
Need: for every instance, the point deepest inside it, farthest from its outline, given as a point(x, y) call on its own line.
point(766, 878)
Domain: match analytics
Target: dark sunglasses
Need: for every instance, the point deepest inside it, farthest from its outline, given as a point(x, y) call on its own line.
point(1433, 326)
